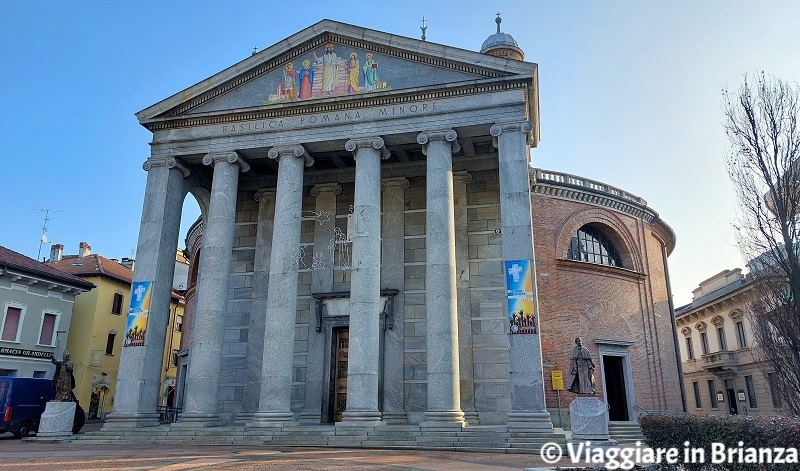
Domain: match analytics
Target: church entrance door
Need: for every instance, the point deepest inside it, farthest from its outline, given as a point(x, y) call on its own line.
point(341, 341)
point(617, 398)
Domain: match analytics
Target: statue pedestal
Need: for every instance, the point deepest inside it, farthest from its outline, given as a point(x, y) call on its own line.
point(589, 422)
point(57, 420)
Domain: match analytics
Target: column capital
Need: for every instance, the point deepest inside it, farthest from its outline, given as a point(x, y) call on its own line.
point(169, 162)
point(263, 194)
point(230, 157)
point(521, 126)
point(326, 188)
point(464, 177)
point(368, 142)
point(447, 135)
point(276, 153)
point(396, 182)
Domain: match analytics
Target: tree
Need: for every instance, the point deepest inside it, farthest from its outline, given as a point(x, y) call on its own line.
point(761, 123)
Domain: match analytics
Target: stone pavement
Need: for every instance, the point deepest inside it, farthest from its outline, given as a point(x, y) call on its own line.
point(30, 455)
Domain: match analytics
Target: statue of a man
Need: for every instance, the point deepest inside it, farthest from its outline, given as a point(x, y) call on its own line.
point(63, 380)
point(582, 369)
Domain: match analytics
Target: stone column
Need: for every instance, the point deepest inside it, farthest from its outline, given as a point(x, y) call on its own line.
point(444, 401)
point(258, 306)
point(321, 282)
point(274, 407)
point(363, 365)
point(202, 377)
point(393, 277)
point(139, 377)
point(465, 360)
point(528, 410)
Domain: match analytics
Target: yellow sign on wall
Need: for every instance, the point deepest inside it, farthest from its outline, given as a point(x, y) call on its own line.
point(558, 380)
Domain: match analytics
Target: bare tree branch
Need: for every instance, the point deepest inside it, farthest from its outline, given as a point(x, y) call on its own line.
point(761, 123)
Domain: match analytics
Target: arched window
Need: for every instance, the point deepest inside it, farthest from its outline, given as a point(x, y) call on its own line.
point(591, 245)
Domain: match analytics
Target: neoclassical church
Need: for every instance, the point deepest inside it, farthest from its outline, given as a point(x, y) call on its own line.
point(378, 262)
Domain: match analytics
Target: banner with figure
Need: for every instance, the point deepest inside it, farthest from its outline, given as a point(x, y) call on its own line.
point(141, 292)
point(519, 282)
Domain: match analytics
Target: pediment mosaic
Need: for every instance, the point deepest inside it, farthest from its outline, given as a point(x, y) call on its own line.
point(326, 69)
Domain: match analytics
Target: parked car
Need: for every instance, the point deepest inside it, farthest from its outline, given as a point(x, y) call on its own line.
point(22, 402)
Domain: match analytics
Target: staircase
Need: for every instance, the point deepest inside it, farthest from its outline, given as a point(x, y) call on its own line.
point(626, 433)
point(411, 436)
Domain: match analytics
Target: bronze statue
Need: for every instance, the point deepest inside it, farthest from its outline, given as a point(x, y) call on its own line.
point(63, 380)
point(582, 369)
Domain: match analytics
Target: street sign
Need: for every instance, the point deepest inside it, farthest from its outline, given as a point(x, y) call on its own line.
point(558, 380)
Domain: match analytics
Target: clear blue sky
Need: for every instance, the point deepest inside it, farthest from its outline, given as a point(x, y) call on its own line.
point(630, 96)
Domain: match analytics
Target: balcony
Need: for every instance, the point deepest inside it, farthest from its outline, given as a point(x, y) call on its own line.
point(720, 363)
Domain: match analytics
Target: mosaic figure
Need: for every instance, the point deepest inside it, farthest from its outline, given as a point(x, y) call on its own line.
point(330, 68)
point(306, 80)
point(370, 73)
point(352, 74)
point(289, 85)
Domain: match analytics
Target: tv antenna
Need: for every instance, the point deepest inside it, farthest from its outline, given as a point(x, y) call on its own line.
point(47, 218)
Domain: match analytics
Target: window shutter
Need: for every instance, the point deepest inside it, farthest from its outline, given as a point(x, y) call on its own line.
point(116, 307)
point(11, 324)
point(48, 326)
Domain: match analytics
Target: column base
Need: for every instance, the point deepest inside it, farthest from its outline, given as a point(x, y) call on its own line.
point(530, 422)
point(307, 418)
point(471, 417)
point(395, 418)
point(272, 419)
point(360, 419)
point(196, 420)
point(450, 420)
point(117, 420)
point(245, 417)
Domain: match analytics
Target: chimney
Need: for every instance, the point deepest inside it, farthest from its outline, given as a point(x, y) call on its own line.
point(127, 263)
point(84, 250)
point(56, 251)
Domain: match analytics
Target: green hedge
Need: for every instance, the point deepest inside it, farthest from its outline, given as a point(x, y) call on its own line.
point(663, 431)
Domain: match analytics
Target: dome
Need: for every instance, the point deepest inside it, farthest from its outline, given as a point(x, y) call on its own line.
point(499, 39)
point(502, 44)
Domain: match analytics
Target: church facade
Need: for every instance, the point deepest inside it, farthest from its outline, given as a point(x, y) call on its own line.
point(375, 249)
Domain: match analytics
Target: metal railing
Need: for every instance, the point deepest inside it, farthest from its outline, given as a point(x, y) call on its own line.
point(168, 415)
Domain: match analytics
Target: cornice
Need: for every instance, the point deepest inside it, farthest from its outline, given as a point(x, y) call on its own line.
point(335, 104)
point(598, 269)
point(583, 190)
point(729, 301)
point(52, 285)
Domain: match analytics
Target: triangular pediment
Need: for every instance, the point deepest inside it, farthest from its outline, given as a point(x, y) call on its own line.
point(334, 61)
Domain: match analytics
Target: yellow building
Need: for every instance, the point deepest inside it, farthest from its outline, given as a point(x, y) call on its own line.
point(96, 334)
point(723, 368)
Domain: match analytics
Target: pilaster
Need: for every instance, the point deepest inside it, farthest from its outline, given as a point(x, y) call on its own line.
point(465, 359)
point(393, 277)
point(321, 282)
point(258, 306)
